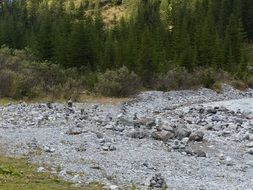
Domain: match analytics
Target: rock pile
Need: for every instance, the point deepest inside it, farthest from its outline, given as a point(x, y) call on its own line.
point(158, 182)
point(189, 137)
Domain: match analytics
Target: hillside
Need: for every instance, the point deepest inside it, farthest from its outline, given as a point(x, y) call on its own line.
point(164, 45)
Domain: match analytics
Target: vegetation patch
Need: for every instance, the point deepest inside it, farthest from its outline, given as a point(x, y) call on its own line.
point(16, 174)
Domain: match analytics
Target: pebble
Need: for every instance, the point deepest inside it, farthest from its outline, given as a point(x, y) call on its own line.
point(196, 136)
point(250, 151)
point(41, 169)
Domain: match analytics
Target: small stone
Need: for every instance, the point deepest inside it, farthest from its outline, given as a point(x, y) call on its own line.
point(221, 157)
point(41, 169)
point(200, 153)
point(49, 105)
point(70, 104)
point(250, 151)
point(211, 111)
point(185, 140)
point(101, 141)
point(150, 124)
point(226, 133)
point(229, 161)
point(95, 167)
point(109, 127)
point(189, 152)
point(76, 131)
point(113, 187)
point(176, 142)
point(105, 148)
point(216, 119)
point(99, 135)
point(112, 148)
point(168, 128)
point(209, 128)
point(196, 136)
point(137, 134)
point(49, 149)
point(152, 183)
point(201, 110)
point(249, 145)
point(81, 149)
point(182, 132)
point(162, 135)
point(119, 128)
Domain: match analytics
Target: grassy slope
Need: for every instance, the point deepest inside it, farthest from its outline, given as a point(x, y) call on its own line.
point(83, 98)
point(17, 174)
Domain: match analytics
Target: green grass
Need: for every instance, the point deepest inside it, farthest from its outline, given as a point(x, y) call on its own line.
point(18, 174)
point(5, 101)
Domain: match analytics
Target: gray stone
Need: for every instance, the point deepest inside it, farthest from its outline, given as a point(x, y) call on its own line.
point(81, 148)
point(211, 110)
point(105, 148)
point(250, 151)
point(196, 136)
point(112, 148)
point(41, 169)
point(216, 119)
point(200, 153)
point(157, 182)
point(209, 127)
point(49, 105)
point(226, 133)
point(70, 104)
point(249, 145)
point(113, 187)
point(168, 128)
point(49, 149)
point(182, 132)
point(229, 161)
point(137, 134)
point(75, 131)
point(162, 135)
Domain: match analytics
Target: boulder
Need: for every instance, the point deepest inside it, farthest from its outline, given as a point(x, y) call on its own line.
point(182, 132)
point(162, 135)
point(200, 153)
point(196, 136)
point(137, 134)
point(250, 151)
point(70, 104)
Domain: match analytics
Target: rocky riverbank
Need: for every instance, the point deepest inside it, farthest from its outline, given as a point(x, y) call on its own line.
point(176, 140)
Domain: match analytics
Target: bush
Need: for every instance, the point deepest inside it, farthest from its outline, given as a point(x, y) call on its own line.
point(250, 81)
point(22, 77)
point(176, 79)
point(217, 87)
point(118, 83)
point(238, 84)
point(207, 78)
point(7, 78)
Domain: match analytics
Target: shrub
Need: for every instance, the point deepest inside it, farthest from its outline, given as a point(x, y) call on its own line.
point(7, 78)
point(118, 83)
point(238, 84)
point(250, 81)
point(207, 77)
point(176, 79)
point(21, 77)
point(217, 87)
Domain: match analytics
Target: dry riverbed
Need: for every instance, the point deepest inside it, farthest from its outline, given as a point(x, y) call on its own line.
point(175, 140)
